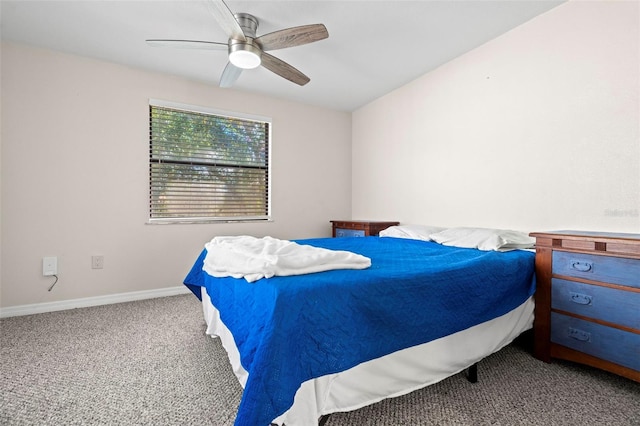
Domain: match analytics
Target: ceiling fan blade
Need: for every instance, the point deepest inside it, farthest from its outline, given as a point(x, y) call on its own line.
point(229, 75)
point(294, 36)
point(226, 20)
point(283, 69)
point(188, 44)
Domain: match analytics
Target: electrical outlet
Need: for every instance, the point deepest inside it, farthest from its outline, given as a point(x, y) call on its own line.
point(97, 262)
point(49, 266)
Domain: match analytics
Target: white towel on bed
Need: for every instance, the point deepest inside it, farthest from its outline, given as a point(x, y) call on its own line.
point(253, 258)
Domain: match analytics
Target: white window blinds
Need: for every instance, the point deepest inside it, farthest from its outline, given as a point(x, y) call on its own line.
point(207, 167)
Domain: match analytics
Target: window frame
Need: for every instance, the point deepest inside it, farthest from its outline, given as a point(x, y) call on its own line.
point(196, 109)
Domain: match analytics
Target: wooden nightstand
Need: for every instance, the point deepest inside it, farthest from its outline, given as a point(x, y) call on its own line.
point(588, 299)
point(359, 228)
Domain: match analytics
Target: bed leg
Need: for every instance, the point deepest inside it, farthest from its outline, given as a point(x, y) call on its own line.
point(472, 373)
point(323, 419)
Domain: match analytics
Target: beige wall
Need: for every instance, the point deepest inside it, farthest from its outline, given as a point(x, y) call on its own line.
point(535, 130)
point(75, 175)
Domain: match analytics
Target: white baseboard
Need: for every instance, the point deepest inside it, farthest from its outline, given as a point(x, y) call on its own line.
point(39, 308)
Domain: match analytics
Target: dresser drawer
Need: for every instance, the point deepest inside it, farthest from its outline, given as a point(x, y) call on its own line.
point(615, 270)
point(349, 232)
point(607, 304)
point(611, 344)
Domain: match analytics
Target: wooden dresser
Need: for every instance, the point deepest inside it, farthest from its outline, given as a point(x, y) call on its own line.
point(359, 228)
point(588, 299)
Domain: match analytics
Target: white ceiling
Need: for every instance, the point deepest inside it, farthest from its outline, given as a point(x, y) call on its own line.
point(373, 47)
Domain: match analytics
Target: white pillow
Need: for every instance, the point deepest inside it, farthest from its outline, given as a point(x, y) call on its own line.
point(414, 232)
point(484, 238)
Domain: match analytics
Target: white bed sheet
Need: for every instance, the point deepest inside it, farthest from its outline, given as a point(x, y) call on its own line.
point(392, 375)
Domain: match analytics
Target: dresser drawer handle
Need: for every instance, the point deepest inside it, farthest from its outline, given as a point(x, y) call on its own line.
point(581, 266)
point(580, 335)
point(581, 299)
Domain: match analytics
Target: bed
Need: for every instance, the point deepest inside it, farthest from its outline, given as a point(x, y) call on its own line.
point(305, 346)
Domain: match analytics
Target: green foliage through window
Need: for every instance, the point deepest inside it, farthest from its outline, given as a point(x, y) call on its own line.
point(206, 167)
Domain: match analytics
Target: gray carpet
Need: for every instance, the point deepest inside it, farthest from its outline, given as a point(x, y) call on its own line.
point(149, 363)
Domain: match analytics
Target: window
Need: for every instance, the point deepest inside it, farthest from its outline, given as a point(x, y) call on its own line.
point(207, 166)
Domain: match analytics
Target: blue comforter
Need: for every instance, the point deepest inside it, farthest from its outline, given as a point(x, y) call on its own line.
point(292, 329)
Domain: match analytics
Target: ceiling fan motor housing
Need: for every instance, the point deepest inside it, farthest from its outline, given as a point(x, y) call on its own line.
point(248, 23)
point(245, 54)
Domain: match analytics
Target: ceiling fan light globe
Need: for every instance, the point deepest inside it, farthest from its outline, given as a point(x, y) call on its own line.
point(245, 59)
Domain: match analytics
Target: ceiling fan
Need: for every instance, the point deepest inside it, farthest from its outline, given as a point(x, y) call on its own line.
point(246, 51)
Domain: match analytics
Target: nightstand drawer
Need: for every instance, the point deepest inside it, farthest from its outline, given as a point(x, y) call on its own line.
point(358, 228)
point(611, 344)
point(604, 303)
point(349, 232)
point(615, 270)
